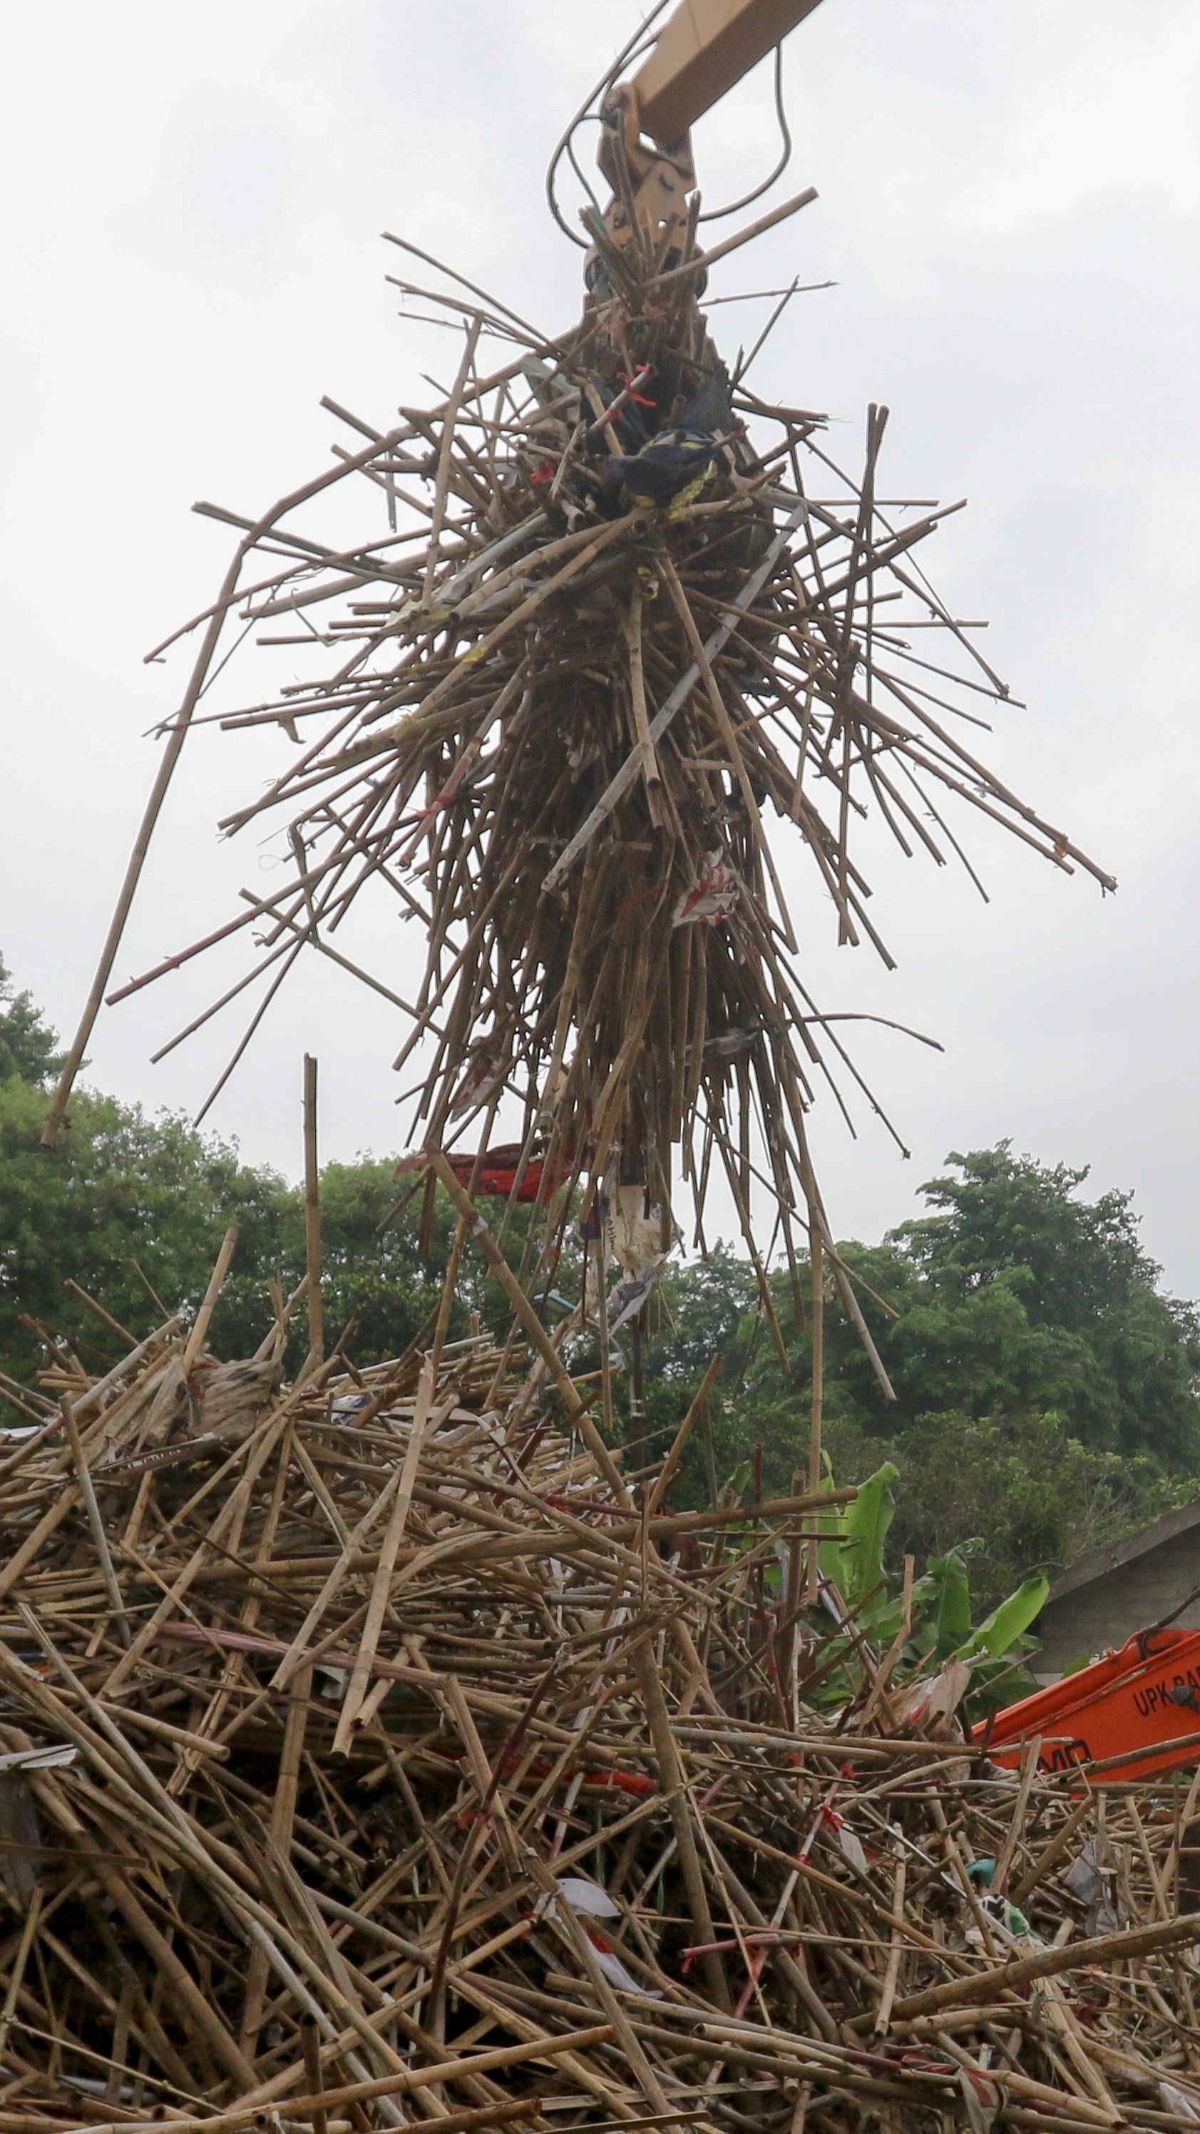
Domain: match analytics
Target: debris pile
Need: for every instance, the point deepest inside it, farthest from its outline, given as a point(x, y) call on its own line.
point(372, 1749)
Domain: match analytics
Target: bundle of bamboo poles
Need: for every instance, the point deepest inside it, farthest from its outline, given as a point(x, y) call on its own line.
point(575, 680)
point(374, 1748)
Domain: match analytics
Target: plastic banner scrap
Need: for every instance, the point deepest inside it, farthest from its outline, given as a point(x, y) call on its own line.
point(344, 1409)
point(937, 1698)
point(830, 1822)
point(1008, 1916)
point(627, 1299)
point(497, 1175)
point(711, 897)
point(584, 1896)
point(484, 1075)
point(982, 2097)
point(731, 1044)
point(848, 1843)
point(615, 1971)
point(1096, 1886)
point(588, 1901)
point(633, 1237)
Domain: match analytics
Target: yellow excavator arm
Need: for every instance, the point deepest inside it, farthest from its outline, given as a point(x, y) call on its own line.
point(704, 49)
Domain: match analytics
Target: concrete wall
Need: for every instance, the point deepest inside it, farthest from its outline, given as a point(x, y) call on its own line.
point(1111, 1608)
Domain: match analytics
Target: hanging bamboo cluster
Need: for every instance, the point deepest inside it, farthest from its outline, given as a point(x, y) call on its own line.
point(560, 721)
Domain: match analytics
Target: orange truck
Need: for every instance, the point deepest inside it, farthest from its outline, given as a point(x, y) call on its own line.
point(1132, 1715)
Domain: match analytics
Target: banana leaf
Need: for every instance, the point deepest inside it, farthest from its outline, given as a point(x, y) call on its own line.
point(1000, 1631)
point(952, 1612)
point(857, 1565)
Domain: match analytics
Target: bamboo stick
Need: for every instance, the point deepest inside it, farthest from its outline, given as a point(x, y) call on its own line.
point(312, 1216)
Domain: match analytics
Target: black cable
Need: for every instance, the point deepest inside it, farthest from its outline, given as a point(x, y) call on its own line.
point(785, 154)
point(638, 43)
point(597, 97)
point(591, 118)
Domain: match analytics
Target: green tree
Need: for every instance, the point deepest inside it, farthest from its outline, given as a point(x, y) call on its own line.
point(376, 1276)
point(1046, 1389)
point(703, 1309)
point(700, 1310)
point(132, 1210)
point(1098, 1337)
point(26, 1043)
point(1013, 1494)
point(121, 1193)
point(1016, 1297)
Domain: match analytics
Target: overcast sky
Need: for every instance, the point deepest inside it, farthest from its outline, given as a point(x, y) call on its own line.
point(1010, 201)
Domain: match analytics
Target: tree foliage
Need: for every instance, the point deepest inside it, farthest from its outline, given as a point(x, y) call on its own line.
point(26, 1043)
point(1098, 1338)
point(938, 1623)
point(1047, 1392)
point(131, 1209)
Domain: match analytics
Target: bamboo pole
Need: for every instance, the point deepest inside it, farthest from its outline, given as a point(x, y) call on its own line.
point(1048, 1963)
point(312, 1217)
point(96, 1523)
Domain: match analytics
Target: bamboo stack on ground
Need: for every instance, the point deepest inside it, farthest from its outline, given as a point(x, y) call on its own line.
point(391, 1759)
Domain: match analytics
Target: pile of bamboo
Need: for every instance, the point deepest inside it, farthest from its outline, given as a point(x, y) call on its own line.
point(373, 1748)
point(557, 722)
